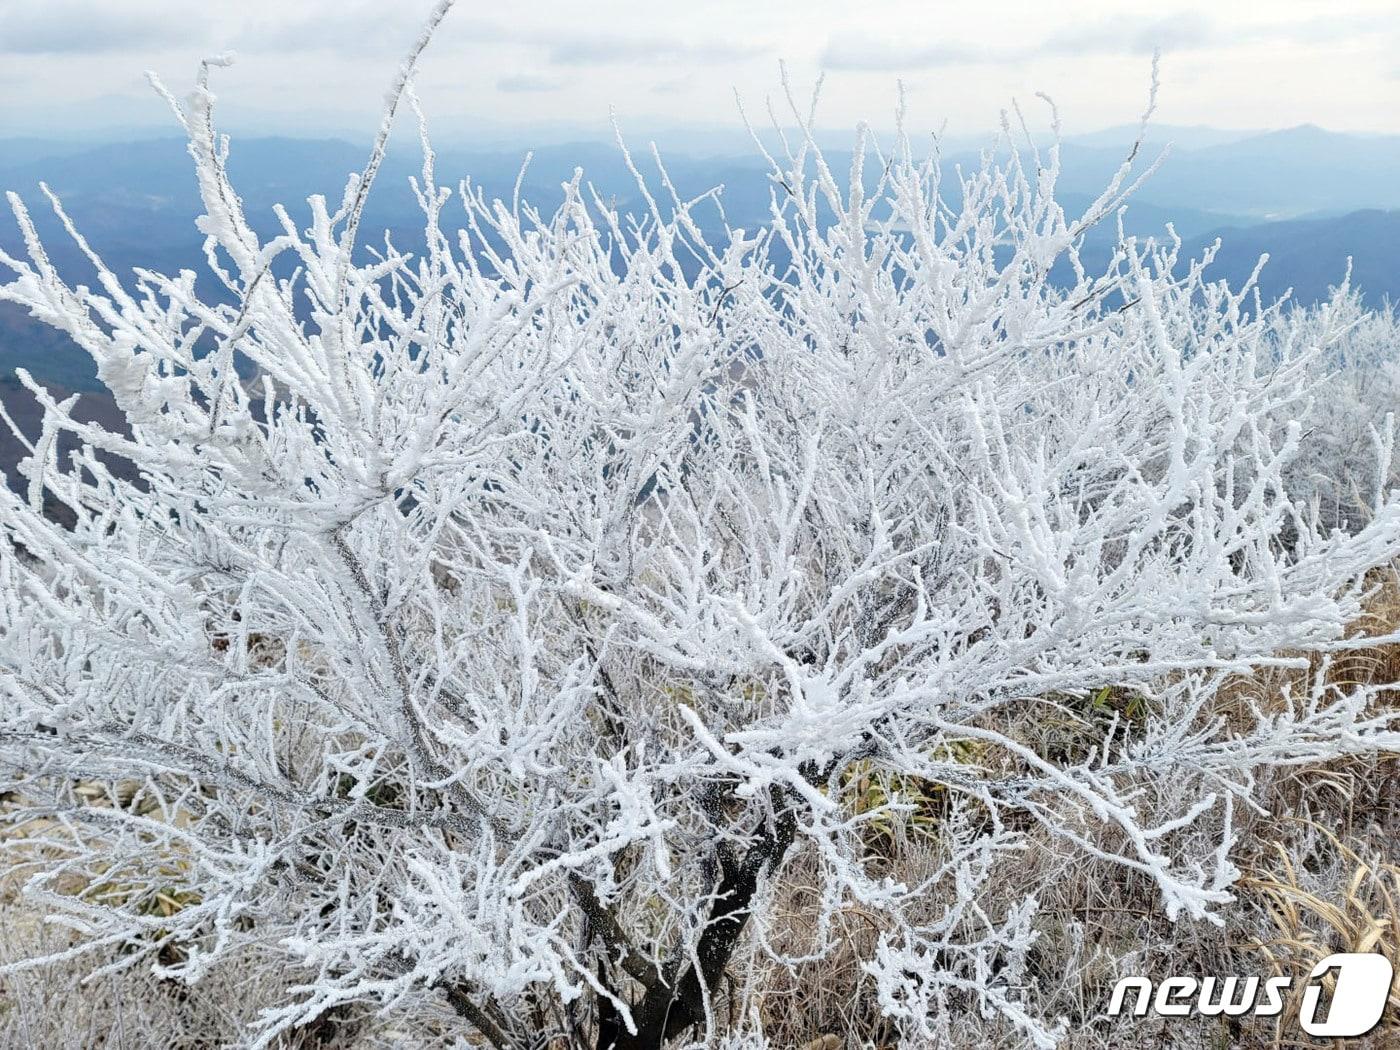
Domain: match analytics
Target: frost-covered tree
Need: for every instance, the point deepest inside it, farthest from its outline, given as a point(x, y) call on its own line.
point(1356, 385)
point(551, 592)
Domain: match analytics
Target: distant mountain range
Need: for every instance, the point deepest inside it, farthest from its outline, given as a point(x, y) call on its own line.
point(1277, 175)
point(1309, 198)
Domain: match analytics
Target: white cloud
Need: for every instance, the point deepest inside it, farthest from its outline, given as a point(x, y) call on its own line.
point(91, 27)
point(523, 83)
point(552, 61)
point(1123, 35)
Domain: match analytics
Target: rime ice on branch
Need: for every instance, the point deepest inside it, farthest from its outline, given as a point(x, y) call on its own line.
point(510, 640)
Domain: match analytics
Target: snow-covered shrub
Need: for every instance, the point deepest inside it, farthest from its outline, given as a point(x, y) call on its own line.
point(1355, 389)
point(505, 642)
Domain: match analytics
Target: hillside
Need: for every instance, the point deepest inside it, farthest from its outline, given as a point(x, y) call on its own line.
point(1309, 256)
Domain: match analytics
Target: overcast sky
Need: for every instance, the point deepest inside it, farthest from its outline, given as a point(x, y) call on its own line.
point(321, 66)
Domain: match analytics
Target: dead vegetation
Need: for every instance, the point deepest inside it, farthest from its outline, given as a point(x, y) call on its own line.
point(1320, 873)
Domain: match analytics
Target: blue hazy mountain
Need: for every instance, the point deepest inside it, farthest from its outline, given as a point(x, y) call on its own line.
point(1309, 256)
point(1278, 175)
point(1309, 197)
point(1178, 136)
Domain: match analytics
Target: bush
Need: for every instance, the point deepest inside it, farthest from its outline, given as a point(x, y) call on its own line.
point(528, 636)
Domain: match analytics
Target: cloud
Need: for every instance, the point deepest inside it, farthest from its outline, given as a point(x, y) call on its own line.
point(571, 50)
point(1119, 35)
point(68, 27)
point(383, 28)
point(1114, 36)
point(670, 87)
point(863, 53)
point(1135, 36)
point(524, 83)
point(355, 30)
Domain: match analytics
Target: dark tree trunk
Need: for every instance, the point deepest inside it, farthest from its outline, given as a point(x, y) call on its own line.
point(668, 1009)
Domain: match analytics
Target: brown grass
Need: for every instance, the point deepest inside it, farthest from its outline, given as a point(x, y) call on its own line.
point(1321, 875)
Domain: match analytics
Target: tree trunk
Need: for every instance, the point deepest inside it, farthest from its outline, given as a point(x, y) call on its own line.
point(665, 1011)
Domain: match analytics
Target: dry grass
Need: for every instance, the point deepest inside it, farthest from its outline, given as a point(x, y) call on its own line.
point(1321, 875)
point(1346, 904)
